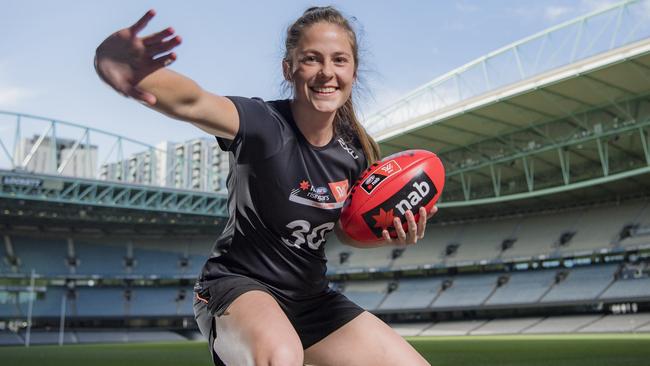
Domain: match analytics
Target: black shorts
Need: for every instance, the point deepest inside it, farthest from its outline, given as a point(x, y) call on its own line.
point(313, 318)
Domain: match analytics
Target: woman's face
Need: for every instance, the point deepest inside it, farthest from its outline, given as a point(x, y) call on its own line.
point(322, 69)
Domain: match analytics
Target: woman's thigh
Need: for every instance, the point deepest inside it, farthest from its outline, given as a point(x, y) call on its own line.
point(366, 340)
point(254, 330)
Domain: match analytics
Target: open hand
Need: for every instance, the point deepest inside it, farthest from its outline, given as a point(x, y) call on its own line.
point(123, 59)
point(415, 230)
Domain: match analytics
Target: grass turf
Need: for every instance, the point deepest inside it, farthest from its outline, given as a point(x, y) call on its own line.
point(536, 350)
point(528, 350)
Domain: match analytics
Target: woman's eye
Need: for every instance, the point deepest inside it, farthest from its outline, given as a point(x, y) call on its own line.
point(309, 59)
point(340, 60)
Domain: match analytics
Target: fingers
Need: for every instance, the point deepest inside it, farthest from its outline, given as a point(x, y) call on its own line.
point(163, 61)
point(433, 211)
point(157, 37)
point(415, 230)
point(386, 235)
point(399, 230)
point(412, 228)
point(140, 24)
point(405, 237)
point(162, 47)
point(422, 222)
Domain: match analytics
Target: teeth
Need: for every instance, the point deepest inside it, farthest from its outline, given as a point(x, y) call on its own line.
point(325, 90)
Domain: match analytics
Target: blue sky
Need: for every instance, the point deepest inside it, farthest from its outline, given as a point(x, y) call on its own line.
point(235, 48)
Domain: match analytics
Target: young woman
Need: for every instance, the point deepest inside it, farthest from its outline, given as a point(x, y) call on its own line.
point(263, 298)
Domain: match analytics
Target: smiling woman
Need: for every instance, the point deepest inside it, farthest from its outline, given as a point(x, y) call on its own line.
point(263, 297)
point(322, 63)
point(322, 68)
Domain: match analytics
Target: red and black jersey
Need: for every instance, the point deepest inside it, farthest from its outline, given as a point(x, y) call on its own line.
point(285, 197)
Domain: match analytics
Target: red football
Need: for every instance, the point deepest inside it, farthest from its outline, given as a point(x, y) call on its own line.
point(400, 182)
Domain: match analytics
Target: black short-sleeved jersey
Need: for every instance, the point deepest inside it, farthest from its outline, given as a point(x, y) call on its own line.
point(285, 196)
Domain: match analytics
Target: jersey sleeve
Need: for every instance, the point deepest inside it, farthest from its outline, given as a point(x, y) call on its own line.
point(261, 133)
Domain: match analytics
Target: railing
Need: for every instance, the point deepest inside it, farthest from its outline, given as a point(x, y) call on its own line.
point(41, 145)
point(600, 31)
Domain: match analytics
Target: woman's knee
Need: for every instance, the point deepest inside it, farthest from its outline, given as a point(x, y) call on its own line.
point(257, 329)
point(279, 354)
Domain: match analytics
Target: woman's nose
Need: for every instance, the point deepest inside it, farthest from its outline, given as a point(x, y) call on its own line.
point(326, 69)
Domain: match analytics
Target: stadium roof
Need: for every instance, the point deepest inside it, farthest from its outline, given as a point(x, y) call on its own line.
point(560, 115)
point(560, 118)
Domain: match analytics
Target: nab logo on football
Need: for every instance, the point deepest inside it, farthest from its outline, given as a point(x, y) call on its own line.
point(418, 192)
point(414, 197)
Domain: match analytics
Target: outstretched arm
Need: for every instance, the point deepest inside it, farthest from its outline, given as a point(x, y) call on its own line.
point(136, 67)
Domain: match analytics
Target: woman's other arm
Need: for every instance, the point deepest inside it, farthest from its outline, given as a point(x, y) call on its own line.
point(415, 231)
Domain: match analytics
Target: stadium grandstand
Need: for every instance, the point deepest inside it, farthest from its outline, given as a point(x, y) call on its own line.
point(544, 224)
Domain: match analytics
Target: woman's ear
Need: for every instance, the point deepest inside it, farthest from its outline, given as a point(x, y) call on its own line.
point(286, 70)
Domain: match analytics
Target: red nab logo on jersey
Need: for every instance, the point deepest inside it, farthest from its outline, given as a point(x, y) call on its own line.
point(379, 175)
point(340, 190)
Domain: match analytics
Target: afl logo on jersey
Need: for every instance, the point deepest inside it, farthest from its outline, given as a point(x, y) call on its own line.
point(328, 197)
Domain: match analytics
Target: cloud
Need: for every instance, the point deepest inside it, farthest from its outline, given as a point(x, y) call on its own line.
point(560, 12)
point(465, 7)
point(645, 12)
point(12, 96)
point(454, 26)
point(394, 114)
point(382, 97)
point(587, 6)
point(553, 12)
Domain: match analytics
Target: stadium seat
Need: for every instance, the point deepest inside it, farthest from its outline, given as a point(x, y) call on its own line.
point(585, 283)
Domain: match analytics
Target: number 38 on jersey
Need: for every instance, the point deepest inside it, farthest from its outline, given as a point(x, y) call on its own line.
point(303, 233)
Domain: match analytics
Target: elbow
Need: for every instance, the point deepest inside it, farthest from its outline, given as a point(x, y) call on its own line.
point(186, 107)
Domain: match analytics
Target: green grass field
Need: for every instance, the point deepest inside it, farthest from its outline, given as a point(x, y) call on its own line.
point(551, 350)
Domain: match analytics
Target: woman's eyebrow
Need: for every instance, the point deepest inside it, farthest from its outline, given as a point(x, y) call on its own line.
point(309, 50)
point(337, 53)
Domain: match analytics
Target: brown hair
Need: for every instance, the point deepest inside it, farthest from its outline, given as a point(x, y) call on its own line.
point(346, 123)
